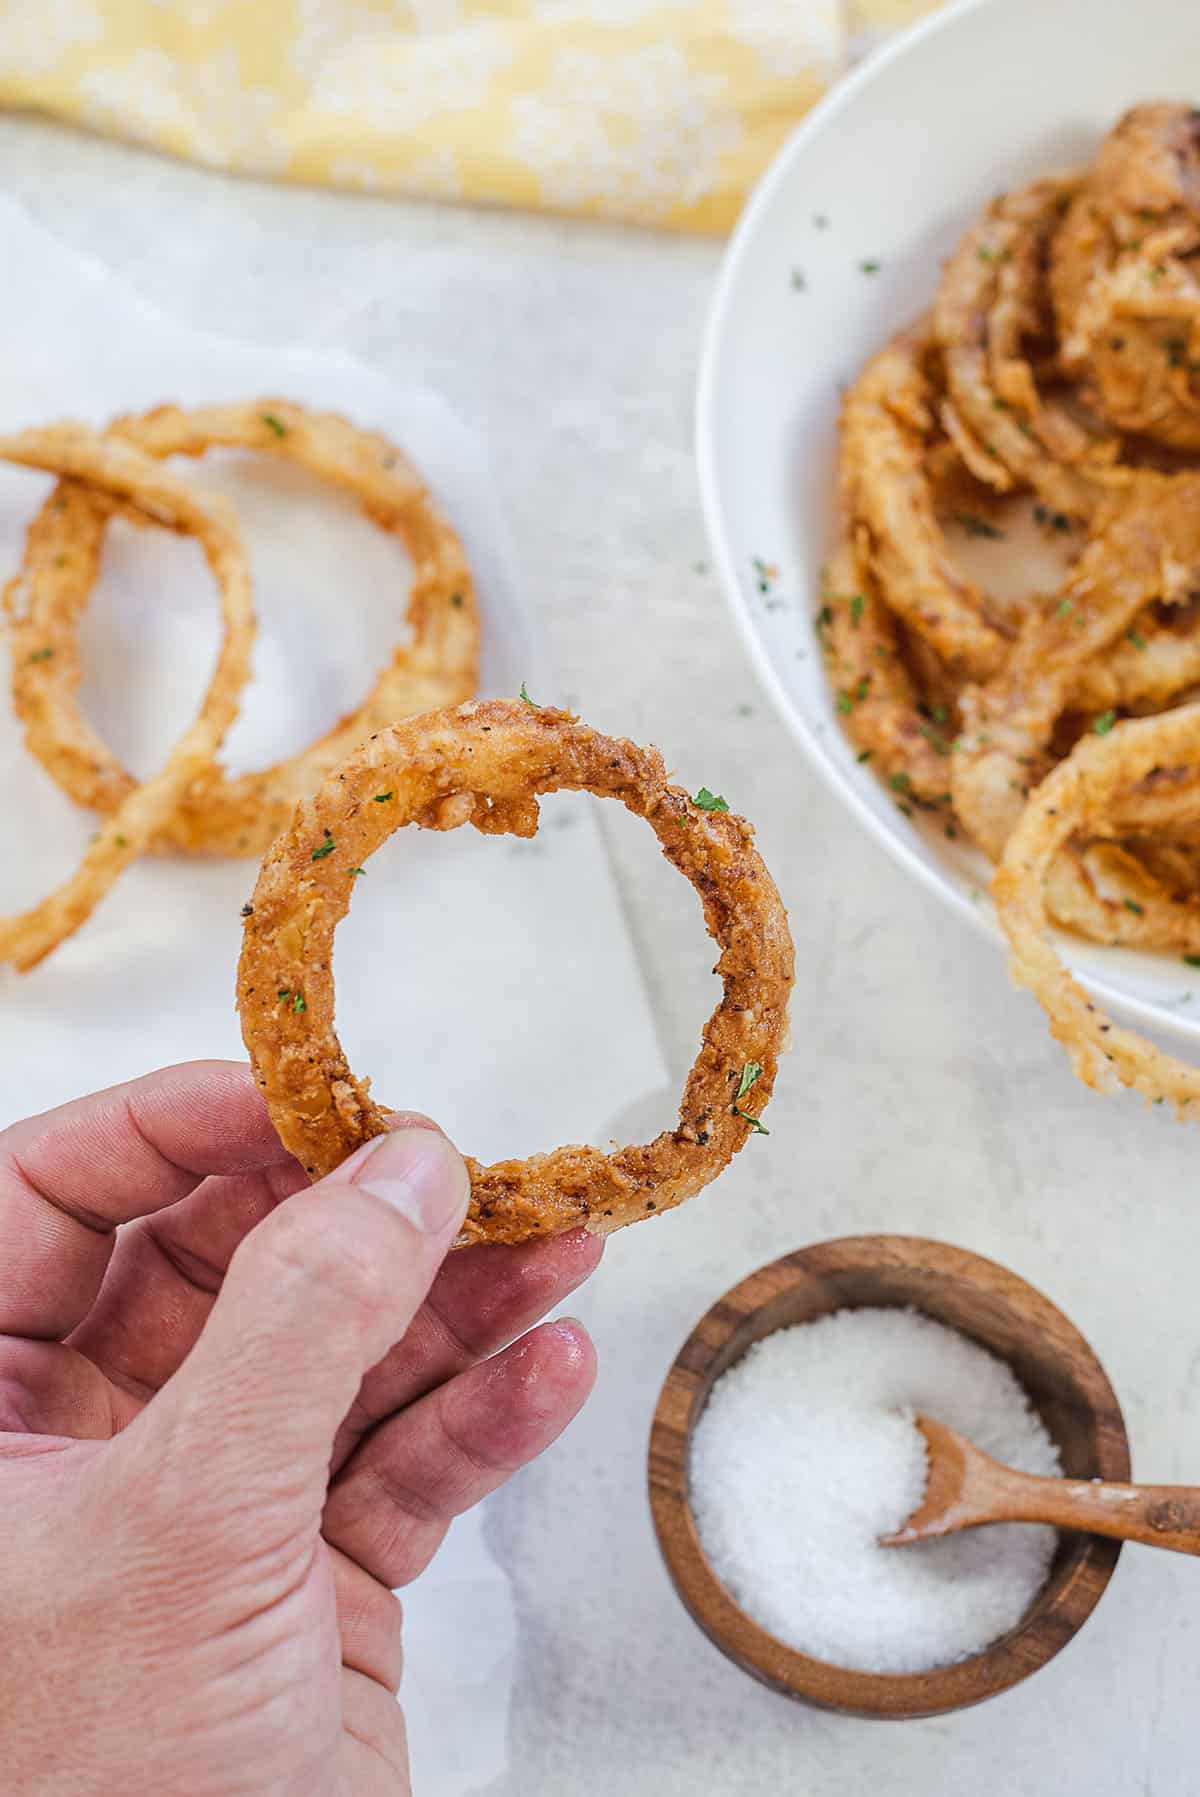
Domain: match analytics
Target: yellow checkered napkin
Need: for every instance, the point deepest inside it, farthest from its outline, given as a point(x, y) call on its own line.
point(663, 111)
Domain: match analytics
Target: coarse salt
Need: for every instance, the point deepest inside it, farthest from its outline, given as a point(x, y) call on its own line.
point(806, 1453)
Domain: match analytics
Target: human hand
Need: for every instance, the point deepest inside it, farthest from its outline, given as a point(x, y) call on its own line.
point(228, 1431)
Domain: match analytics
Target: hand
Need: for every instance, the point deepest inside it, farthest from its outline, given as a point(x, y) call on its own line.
point(228, 1430)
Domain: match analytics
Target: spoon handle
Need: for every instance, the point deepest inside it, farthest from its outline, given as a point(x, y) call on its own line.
point(1157, 1515)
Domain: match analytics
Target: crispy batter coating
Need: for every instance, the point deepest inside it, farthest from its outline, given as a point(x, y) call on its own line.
point(1126, 276)
point(127, 476)
point(1076, 799)
point(887, 421)
point(223, 814)
point(486, 763)
point(1145, 546)
point(988, 307)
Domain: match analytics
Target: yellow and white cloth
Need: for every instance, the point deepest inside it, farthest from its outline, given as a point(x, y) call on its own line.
point(662, 111)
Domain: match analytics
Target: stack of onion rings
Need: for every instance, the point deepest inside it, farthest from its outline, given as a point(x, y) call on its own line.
point(963, 702)
point(486, 764)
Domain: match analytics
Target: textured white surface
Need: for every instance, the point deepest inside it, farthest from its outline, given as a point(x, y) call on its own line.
point(923, 1094)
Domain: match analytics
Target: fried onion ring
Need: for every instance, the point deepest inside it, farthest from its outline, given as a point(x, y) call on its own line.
point(1145, 546)
point(128, 476)
point(223, 814)
point(874, 688)
point(1125, 281)
point(887, 419)
point(987, 305)
point(486, 763)
point(1077, 797)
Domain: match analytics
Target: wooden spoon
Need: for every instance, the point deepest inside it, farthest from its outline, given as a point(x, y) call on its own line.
point(967, 1488)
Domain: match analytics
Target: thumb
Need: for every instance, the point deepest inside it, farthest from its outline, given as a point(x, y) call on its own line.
point(314, 1296)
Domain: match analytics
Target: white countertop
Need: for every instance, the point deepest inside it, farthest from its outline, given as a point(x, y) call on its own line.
point(924, 1095)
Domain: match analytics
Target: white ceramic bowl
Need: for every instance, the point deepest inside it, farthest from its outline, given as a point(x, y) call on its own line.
point(841, 242)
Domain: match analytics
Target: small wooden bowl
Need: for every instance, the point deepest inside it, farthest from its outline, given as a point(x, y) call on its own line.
point(1063, 1378)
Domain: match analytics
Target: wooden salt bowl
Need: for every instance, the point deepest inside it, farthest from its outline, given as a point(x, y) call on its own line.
point(1064, 1381)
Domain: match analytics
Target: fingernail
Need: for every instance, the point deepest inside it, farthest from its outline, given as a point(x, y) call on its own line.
point(420, 1174)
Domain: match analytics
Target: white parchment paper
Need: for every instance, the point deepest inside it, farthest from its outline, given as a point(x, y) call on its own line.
point(489, 982)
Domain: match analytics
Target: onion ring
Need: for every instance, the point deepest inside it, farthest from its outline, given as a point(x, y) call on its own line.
point(1080, 792)
point(887, 418)
point(875, 692)
point(129, 476)
point(223, 814)
point(987, 303)
point(1124, 281)
point(486, 763)
point(1145, 546)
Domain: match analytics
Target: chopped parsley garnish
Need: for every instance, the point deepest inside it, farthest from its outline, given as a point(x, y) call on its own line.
point(864, 755)
point(764, 573)
point(358, 872)
point(298, 1003)
point(750, 1073)
point(326, 848)
point(1053, 521)
point(1104, 723)
point(858, 605)
point(1192, 960)
point(46, 654)
point(274, 424)
point(284, 992)
point(975, 526)
point(903, 809)
point(1064, 607)
point(940, 714)
point(1132, 905)
point(845, 704)
point(527, 699)
point(986, 253)
point(709, 801)
point(1136, 638)
point(935, 739)
point(381, 798)
point(900, 782)
point(870, 268)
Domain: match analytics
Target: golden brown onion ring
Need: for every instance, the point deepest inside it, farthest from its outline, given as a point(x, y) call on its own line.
point(1080, 793)
point(486, 763)
point(242, 814)
point(1124, 277)
point(887, 421)
point(875, 693)
point(988, 304)
point(1106, 892)
point(124, 473)
point(1145, 546)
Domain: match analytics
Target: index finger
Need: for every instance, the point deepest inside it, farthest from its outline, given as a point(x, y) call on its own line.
point(69, 1177)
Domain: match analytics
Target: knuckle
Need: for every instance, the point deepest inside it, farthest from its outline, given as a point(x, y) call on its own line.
point(311, 1243)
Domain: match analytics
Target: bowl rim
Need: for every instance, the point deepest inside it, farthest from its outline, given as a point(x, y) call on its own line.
point(1041, 1634)
point(897, 844)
